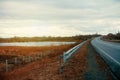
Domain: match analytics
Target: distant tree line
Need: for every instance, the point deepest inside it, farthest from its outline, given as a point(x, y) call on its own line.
point(111, 36)
point(49, 38)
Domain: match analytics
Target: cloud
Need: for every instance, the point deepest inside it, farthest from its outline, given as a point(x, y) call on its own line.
point(52, 10)
point(58, 17)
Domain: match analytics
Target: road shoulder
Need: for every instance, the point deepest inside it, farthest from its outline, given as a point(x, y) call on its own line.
point(97, 68)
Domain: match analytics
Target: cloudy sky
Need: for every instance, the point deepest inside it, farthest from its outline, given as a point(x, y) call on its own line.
point(58, 17)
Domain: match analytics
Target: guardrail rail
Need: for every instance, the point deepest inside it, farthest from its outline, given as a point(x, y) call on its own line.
point(66, 55)
point(69, 53)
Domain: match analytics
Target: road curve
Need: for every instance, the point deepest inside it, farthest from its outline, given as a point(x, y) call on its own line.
point(110, 52)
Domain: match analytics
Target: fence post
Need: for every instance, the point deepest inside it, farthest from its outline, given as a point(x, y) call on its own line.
point(41, 55)
point(32, 59)
point(29, 59)
point(60, 64)
point(23, 59)
point(35, 58)
point(15, 60)
point(6, 67)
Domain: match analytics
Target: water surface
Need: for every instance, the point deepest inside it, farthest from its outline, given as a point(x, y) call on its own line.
point(34, 43)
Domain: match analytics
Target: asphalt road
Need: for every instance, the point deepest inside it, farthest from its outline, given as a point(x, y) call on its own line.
point(110, 52)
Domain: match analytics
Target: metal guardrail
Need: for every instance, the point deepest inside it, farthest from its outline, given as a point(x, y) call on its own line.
point(68, 54)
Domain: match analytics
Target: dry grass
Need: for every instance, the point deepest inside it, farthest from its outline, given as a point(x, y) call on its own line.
point(19, 71)
point(47, 68)
point(7, 52)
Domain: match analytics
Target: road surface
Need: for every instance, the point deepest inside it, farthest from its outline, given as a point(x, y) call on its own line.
point(110, 52)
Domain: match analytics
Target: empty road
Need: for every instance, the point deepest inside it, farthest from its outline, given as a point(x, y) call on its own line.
point(110, 52)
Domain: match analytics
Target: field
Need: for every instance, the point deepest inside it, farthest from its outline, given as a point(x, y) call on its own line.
point(46, 67)
point(30, 55)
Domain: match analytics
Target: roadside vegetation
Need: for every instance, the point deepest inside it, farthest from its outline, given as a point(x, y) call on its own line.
point(112, 37)
point(77, 68)
point(46, 67)
point(45, 54)
point(49, 38)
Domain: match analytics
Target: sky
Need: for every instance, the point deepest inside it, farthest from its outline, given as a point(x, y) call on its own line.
point(28, 18)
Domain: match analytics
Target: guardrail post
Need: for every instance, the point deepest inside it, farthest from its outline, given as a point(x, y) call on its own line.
point(60, 64)
point(6, 66)
point(64, 58)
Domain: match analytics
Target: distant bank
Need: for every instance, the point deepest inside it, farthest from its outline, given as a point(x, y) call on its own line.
point(76, 38)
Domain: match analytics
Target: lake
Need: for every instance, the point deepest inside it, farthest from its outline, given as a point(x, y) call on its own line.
point(34, 43)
